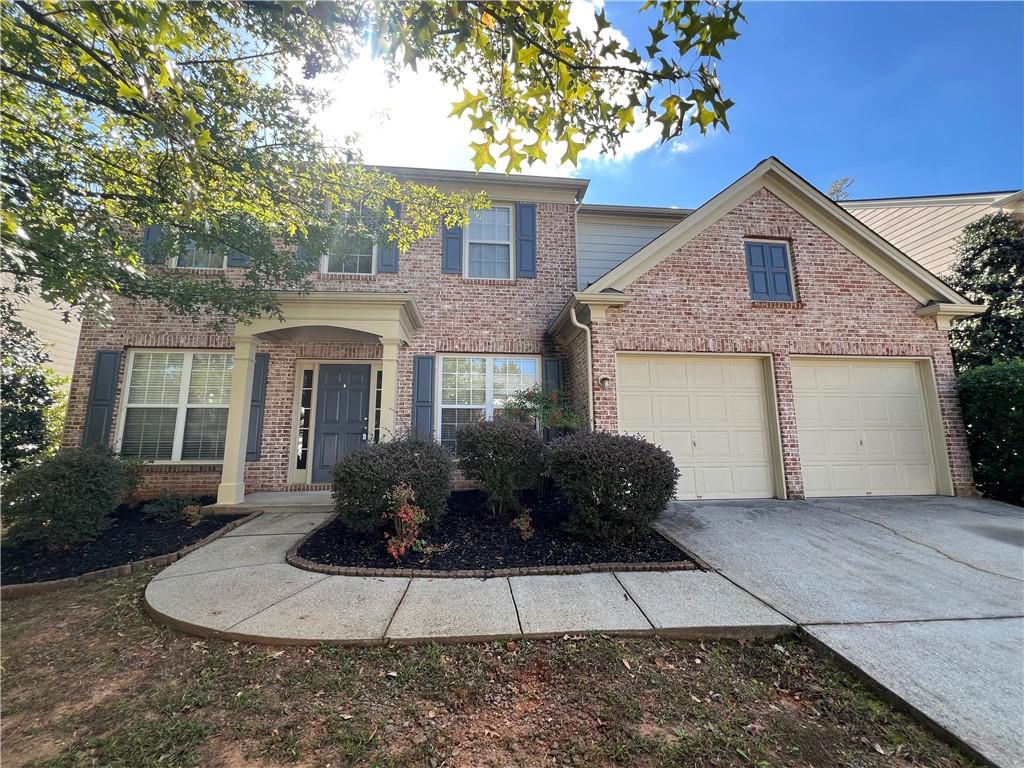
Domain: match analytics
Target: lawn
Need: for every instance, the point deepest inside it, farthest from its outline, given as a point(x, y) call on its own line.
point(89, 680)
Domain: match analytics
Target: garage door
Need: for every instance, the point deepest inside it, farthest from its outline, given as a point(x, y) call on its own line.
point(709, 412)
point(863, 428)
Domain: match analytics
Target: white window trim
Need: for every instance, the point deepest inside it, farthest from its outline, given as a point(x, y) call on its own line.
point(182, 405)
point(325, 262)
point(488, 406)
point(222, 267)
point(789, 265)
point(511, 246)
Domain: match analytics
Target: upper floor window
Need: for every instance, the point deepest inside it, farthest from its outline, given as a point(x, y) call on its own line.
point(769, 271)
point(176, 406)
point(195, 256)
point(349, 254)
point(489, 243)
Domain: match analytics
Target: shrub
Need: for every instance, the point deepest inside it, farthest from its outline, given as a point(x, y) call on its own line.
point(65, 499)
point(992, 397)
point(406, 518)
point(364, 478)
point(616, 485)
point(503, 457)
point(167, 508)
point(551, 408)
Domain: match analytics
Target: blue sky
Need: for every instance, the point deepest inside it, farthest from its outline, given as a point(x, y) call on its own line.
point(916, 98)
point(906, 98)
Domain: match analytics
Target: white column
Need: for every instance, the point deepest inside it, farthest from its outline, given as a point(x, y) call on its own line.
point(232, 480)
point(388, 388)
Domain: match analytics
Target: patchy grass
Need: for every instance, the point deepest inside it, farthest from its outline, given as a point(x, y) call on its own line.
point(89, 680)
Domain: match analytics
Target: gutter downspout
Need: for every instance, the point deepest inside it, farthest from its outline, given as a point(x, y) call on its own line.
point(590, 367)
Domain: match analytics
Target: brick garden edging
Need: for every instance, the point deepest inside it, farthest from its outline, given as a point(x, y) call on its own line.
point(15, 591)
point(294, 558)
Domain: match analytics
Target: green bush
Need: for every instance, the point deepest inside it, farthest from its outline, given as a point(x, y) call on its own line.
point(992, 398)
point(65, 499)
point(616, 485)
point(502, 457)
point(363, 481)
point(167, 508)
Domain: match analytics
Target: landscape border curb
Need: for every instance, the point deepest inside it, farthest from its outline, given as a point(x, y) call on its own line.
point(29, 589)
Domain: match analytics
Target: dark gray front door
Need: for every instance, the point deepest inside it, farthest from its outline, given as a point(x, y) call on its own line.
point(342, 415)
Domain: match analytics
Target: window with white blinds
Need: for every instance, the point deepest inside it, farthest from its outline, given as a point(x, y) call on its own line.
point(177, 405)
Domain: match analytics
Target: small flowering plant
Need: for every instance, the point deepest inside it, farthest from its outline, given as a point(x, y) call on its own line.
point(407, 520)
point(549, 408)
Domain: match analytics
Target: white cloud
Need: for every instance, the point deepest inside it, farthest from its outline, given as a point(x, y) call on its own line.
point(408, 122)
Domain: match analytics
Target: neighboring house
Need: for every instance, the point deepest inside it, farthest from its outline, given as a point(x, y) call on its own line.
point(769, 340)
point(59, 338)
point(926, 228)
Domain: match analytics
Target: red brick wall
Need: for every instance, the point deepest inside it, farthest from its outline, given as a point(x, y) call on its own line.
point(481, 316)
point(697, 300)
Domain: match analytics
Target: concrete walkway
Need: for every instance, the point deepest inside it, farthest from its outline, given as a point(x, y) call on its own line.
point(240, 587)
point(925, 595)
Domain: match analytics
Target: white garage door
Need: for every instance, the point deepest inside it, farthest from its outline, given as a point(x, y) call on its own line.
point(863, 428)
point(709, 412)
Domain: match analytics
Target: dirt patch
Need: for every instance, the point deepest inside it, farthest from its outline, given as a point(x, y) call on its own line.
point(468, 538)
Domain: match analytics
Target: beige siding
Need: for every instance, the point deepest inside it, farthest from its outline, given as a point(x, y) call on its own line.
point(925, 229)
point(61, 338)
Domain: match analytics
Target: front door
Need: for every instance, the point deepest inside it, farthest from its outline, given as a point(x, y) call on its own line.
point(342, 415)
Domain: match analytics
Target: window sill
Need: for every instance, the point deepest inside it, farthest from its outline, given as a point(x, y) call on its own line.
point(344, 276)
point(181, 467)
point(487, 280)
point(777, 304)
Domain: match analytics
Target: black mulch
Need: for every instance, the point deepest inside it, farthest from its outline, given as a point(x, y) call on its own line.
point(129, 537)
point(469, 538)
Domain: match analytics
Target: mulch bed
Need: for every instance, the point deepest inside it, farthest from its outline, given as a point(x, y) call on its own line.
point(468, 538)
point(129, 537)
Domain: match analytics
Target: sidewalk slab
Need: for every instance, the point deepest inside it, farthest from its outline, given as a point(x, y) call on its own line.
point(232, 552)
point(223, 598)
point(281, 522)
point(692, 604)
point(336, 609)
point(455, 610)
point(965, 676)
point(550, 606)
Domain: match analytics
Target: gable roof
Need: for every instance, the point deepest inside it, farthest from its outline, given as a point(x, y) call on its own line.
point(773, 175)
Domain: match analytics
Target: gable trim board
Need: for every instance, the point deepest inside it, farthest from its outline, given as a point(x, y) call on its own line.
point(798, 194)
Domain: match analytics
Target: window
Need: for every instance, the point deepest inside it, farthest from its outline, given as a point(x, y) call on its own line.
point(489, 243)
point(476, 388)
point(349, 253)
point(768, 271)
point(176, 408)
point(195, 256)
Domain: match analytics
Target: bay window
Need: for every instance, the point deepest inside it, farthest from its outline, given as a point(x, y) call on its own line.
point(477, 388)
point(176, 406)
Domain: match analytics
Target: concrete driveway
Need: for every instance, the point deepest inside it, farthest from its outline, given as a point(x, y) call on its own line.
point(923, 594)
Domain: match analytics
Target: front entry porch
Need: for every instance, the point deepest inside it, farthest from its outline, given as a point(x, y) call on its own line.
point(349, 401)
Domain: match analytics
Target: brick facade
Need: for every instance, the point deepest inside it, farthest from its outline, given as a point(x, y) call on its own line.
point(694, 301)
point(697, 300)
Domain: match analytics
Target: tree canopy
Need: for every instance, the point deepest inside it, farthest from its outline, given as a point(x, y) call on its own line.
point(989, 269)
point(199, 116)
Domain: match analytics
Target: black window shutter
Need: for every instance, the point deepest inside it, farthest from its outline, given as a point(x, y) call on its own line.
point(780, 286)
point(387, 250)
point(553, 373)
point(238, 259)
point(423, 396)
point(526, 240)
point(757, 272)
point(259, 398)
point(99, 412)
point(152, 245)
point(451, 249)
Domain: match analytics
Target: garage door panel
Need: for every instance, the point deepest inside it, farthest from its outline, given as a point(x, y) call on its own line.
point(862, 427)
point(717, 404)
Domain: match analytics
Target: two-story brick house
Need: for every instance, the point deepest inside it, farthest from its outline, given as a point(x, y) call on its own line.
point(774, 344)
